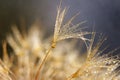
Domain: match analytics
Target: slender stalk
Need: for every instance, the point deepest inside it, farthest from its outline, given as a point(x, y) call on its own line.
point(44, 60)
point(79, 72)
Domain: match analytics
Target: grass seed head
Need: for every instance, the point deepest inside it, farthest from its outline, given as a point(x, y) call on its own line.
point(64, 63)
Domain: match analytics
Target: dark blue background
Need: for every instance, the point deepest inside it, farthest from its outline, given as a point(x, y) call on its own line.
point(104, 15)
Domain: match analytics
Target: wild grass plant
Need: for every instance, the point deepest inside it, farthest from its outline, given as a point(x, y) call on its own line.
point(54, 58)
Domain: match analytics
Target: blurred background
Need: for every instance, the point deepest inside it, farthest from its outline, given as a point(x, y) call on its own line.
point(103, 15)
